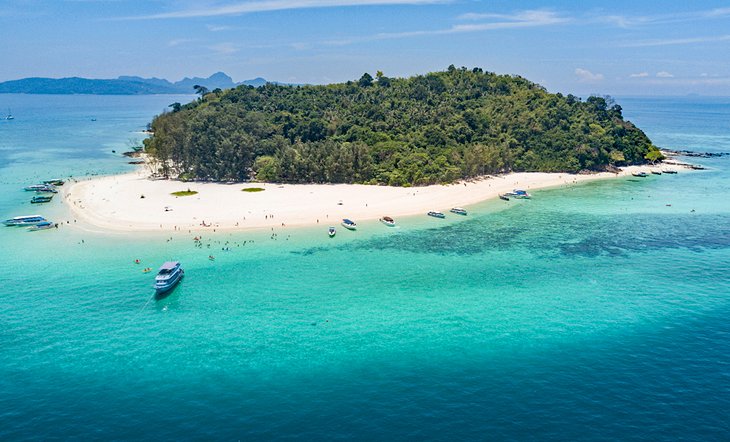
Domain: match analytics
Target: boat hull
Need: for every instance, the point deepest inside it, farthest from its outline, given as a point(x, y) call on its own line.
point(161, 289)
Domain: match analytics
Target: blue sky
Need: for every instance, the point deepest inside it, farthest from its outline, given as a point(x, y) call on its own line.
point(619, 47)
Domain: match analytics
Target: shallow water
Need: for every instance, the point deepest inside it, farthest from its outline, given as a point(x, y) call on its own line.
point(593, 312)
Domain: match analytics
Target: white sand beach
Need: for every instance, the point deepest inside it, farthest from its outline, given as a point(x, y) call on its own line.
point(116, 203)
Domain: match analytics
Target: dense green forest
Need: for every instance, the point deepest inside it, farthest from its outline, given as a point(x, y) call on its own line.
point(433, 128)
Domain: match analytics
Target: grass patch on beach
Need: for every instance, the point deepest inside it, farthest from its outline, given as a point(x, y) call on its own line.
point(184, 193)
point(253, 189)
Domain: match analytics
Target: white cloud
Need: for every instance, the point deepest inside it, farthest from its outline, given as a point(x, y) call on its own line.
point(224, 48)
point(623, 21)
point(664, 74)
point(530, 15)
point(179, 41)
point(675, 41)
point(586, 76)
point(239, 8)
point(639, 75)
point(216, 28)
point(523, 19)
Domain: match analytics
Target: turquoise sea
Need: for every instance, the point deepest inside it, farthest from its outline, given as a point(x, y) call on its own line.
point(597, 312)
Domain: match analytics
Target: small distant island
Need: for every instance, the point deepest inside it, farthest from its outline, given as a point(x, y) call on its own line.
point(436, 128)
point(124, 85)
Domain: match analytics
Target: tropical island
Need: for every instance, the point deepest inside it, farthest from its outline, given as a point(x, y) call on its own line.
point(362, 149)
point(428, 129)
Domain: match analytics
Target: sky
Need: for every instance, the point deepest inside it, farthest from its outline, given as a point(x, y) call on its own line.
point(619, 48)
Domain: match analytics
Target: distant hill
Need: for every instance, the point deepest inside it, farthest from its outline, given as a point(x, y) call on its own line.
point(124, 85)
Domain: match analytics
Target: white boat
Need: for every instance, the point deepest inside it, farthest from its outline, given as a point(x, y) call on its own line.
point(520, 194)
point(41, 188)
point(332, 232)
point(436, 214)
point(349, 224)
point(388, 221)
point(458, 211)
point(45, 225)
point(10, 116)
point(27, 220)
point(169, 274)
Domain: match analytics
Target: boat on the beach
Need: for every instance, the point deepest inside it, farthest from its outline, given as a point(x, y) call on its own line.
point(45, 225)
point(41, 199)
point(671, 172)
point(458, 211)
point(640, 174)
point(45, 188)
point(54, 182)
point(436, 214)
point(27, 220)
point(349, 224)
point(503, 196)
point(331, 231)
point(41, 188)
point(388, 221)
point(655, 172)
point(168, 276)
point(520, 194)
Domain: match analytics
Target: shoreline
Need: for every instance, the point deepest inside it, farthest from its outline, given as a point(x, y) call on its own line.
point(115, 202)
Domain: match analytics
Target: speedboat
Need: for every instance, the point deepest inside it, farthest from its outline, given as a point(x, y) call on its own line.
point(436, 214)
point(168, 276)
point(388, 221)
point(332, 232)
point(655, 172)
point(349, 224)
point(45, 225)
point(54, 182)
point(28, 220)
point(458, 211)
point(41, 188)
point(520, 194)
point(41, 199)
point(503, 196)
point(669, 171)
point(640, 174)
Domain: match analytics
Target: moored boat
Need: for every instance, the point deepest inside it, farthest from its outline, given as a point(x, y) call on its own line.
point(671, 172)
point(27, 220)
point(169, 274)
point(41, 188)
point(459, 211)
point(436, 214)
point(655, 172)
point(388, 221)
point(54, 182)
point(41, 199)
point(349, 224)
point(520, 194)
point(640, 174)
point(45, 225)
point(503, 196)
point(332, 232)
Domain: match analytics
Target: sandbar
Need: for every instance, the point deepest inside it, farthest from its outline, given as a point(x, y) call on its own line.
point(136, 202)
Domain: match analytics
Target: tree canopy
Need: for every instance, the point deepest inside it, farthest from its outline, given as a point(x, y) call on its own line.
point(432, 128)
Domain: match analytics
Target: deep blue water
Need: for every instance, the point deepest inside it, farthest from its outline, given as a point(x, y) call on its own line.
point(595, 312)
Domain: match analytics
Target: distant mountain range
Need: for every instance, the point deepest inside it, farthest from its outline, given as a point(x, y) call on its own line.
point(124, 85)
